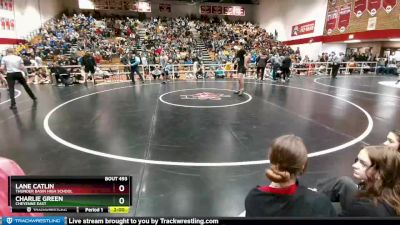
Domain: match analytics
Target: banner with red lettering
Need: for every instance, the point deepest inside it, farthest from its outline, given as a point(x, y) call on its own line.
point(344, 17)
point(359, 7)
point(205, 9)
point(304, 28)
point(3, 23)
point(217, 10)
point(388, 5)
point(7, 5)
point(141, 7)
point(331, 20)
point(234, 11)
point(165, 7)
point(373, 6)
point(7, 20)
point(12, 24)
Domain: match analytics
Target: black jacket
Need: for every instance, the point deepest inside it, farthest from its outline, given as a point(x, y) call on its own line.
point(366, 208)
point(304, 203)
point(286, 63)
point(262, 61)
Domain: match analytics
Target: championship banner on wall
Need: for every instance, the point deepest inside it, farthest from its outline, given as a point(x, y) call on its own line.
point(7, 19)
point(7, 24)
point(165, 7)
point(331, 19)
point(205, 9)
point(359, 7)
point(141, 7)
point(7, 5)
point(3, 23)
point(344, 17)
point(373, 6)
point(388, 5)
point(234, 11)
point(217, 10)
point(304, 28)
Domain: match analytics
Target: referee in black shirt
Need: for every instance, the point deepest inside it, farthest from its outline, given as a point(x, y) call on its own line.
point(14, 66)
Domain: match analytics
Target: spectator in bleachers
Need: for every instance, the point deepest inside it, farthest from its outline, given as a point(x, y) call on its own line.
point(285, 196)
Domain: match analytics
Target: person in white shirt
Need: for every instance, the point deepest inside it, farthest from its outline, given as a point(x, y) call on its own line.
point(14, 67)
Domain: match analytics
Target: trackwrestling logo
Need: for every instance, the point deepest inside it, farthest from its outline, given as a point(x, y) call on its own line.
point(205, 96)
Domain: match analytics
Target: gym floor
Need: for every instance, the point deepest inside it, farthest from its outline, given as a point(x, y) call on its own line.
point(194, 148)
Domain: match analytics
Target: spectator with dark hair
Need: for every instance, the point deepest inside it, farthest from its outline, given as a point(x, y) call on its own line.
point(335, 63)
point(285, 68)
point(393, 140)
point(378, 192)
point(61, 74)
point(242, 62)
point(134, 62)
point(261, 63)
point(89, 64)
point(285, 196)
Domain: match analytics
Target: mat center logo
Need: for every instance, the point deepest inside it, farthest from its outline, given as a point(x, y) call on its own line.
point(9, 220)
point(205, 96)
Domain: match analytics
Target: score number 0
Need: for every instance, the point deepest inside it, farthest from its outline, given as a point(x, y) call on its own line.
point(121, 200)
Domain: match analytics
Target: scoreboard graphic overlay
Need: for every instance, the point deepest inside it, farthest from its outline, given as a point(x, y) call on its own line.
point(106, 194)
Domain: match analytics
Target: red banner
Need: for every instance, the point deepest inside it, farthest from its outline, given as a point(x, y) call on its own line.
point(388, 5)
point(141, 7)
point(3, 23)
point(331, 19)
point(11, 5)
point(234, 11)
point(217, 10)
point(344, 17)
point(304, 28)
point(165, 7)
point(359, 7)
point(8, 25)
point(205, 9)
point(12, 24)
point(373, 6)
